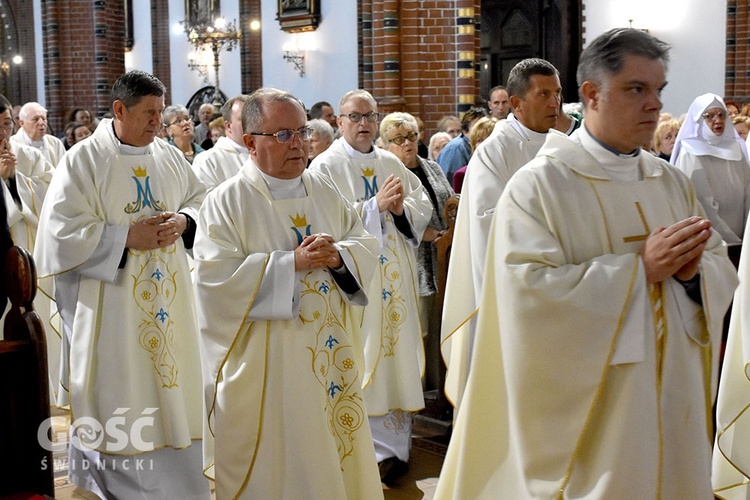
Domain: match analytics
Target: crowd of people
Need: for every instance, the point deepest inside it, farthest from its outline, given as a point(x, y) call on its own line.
point(260, 285)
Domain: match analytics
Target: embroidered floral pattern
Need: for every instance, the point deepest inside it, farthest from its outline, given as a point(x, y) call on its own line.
point(332, 359)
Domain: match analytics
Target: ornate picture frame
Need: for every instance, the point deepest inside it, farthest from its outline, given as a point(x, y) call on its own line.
point(199, 12)
point(297, 16)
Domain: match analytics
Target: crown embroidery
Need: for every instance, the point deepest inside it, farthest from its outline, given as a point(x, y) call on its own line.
point(299, 220)
point(140, 171)
point(368, 172)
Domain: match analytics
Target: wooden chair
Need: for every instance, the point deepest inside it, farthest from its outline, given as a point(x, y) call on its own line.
point(24, 386)
point(444, 245)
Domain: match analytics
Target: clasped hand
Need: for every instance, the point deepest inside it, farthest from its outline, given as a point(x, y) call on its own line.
point(157, 231)
point(315, 252)
point(675, 250)
point(7, 161)
point(390, 196)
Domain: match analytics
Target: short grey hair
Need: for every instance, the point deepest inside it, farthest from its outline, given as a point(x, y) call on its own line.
point(605, 56)
point(172, 111)
point(252, 111)
point(358, 94)
point(321, 127)
point(395, 120)
point(26, 108)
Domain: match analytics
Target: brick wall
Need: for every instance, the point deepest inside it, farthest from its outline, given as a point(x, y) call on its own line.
point(737, 77)
point(251, 47)
point(83, 55)
point(160, 47)
point(420, 55)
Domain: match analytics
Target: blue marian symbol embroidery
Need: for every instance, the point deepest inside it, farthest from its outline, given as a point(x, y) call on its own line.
point(145, 196)
point(371, 188)
point(162, 315)
point(383, 259)
point(300, 222)
point(333, 388)
point(324, 288)
point(330, 342)
point(386, 294)
point(157, 274)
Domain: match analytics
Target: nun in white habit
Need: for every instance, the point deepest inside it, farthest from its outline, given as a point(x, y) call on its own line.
point(711, 153)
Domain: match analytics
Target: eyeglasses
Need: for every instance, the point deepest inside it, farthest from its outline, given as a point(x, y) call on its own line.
point(399, 139)
point(283, 136)
point(709, 117)
point(371, 117)
point(178, 121)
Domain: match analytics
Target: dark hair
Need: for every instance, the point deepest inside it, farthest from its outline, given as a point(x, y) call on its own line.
point(5, 104)
point(519, 79)
point(317, 109)
point(134, 85)
point(470, 116)
point(605, 56)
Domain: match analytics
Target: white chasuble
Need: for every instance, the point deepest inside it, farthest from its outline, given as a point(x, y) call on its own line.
point(219, 163)
point(286, 410)
point(496, 160)
point(576, 390)
point(731, 458)
point(133, 339)
point(391, 329)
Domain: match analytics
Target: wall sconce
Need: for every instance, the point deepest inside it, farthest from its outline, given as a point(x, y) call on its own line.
point(296, 57)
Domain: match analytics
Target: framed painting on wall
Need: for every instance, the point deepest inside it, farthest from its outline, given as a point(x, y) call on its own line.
point(201, 11)
point(296, 16)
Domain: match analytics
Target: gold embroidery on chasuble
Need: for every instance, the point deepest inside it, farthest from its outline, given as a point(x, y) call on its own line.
point(154, 289)
point(332, 356)
point(394, 305)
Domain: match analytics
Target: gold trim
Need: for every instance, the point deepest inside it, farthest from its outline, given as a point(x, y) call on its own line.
point(600, 387)
point(260, 416)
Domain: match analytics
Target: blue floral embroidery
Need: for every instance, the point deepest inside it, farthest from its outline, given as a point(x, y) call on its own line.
point(157, 274)
point(330, 342)
point(162, 315)
point(333, 388)
point(324, 288)
point(386, 294)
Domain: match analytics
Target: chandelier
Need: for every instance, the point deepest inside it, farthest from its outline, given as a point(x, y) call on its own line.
point(215, 37)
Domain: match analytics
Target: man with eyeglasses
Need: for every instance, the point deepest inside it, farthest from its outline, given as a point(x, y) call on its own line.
point(113, 233)
point(226, 158)
point(396, 209)
point(32, 120)
point(535, 93)
point(280, 259)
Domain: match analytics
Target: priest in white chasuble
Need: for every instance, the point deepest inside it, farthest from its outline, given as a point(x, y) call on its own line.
point(594, 368)
point(26, 175)
point(396, 209)
point(118, 216)
point(280, 260)
point(535, 93)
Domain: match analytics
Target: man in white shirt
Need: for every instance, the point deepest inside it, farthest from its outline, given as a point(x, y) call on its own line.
point(225, 159)
point(33, 132)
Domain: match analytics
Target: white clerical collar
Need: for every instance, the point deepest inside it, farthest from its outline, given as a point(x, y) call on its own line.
point(284, 189)
point(127, 149)
point(525, 131)
point(358, 154)
point(620, 166)
point(29, 142)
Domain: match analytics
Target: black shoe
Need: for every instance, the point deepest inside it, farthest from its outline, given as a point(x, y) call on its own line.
point(391, 469)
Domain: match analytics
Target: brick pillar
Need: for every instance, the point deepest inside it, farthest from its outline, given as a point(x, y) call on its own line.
point(365, 46)
point(466, 56)
point(160, 47)
point(83, 55)
point(250, 47)
point(737, 77)
point(387, 51)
